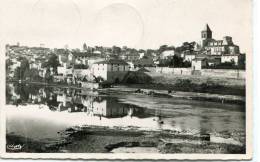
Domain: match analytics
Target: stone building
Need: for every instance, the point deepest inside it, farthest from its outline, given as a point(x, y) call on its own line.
point(198, 63)
point(235, 58)
point(218, 47)
point(113, 70)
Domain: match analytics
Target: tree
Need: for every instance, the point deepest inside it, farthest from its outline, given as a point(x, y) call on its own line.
point(186, 64)
point(116, 50)
point(177, 61)
point(32, 74)
point(141, 51)
point(171, 48)
point(99, 79)
point(242, 63)
point(24, 65)
point(52, 62)
point(48, 76)
point(162, 48)
point(186, 46)
point(19, 71)
point(8, 65)
point(85, 47)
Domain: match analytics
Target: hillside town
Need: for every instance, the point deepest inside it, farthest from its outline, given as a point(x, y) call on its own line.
point(189, 98)
point(112, 64)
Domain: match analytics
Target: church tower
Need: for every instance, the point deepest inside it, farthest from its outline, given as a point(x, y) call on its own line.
point(206, 34)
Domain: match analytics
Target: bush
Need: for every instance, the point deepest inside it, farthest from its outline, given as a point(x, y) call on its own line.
point(184, 84)
point(99, 79)
point(81, 66)
point(137, 78)
point(105, 84)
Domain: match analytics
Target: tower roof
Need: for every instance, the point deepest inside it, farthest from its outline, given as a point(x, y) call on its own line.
point(207, 28)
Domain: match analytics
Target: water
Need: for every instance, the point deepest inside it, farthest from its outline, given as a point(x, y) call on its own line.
point(39, 112)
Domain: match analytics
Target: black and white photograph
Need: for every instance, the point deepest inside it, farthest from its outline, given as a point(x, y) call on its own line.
point(126, 79)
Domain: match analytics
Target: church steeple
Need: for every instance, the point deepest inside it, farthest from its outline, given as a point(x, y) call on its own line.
point(207, 28)
point(206, 33)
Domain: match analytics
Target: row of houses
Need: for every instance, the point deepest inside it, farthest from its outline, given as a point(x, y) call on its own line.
point(105, 63)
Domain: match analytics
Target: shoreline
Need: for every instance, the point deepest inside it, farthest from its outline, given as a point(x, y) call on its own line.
point(231, 99)
point(74, 139)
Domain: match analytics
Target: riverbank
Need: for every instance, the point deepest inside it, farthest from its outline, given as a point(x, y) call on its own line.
point(188, 86)
point(231, 99)
point(116, 140)
point(187, 83)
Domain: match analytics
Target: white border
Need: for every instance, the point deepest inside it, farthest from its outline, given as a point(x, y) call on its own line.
point(95, 156)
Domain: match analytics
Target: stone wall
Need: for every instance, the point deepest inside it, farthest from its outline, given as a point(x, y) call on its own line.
point(223, 73)
point(167, 70)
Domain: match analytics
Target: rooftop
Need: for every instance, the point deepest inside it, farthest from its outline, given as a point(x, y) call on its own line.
point(84, 54)
point(231, 54)
point(199, 59)
point(112, 61)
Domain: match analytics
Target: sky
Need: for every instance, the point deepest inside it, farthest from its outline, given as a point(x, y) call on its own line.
point(133, 23)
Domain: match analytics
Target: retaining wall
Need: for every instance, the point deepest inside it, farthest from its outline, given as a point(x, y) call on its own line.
point(224, 73)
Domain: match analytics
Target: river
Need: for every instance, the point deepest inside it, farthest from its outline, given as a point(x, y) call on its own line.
point(41, 113)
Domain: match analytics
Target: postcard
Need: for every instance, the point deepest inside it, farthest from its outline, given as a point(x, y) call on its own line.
point(126, 79)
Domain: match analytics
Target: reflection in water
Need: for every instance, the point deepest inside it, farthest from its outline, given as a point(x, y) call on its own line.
point(37, 111)
point(42, 114)
point(73, 100)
